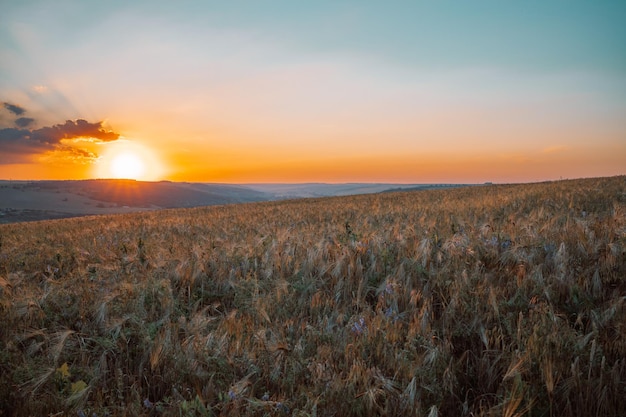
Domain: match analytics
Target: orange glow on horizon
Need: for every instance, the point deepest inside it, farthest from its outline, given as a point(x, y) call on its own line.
point(231, 157)
point(126, 159)
point(454, 167)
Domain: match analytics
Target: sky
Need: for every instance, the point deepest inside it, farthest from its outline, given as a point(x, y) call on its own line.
point(313, 91)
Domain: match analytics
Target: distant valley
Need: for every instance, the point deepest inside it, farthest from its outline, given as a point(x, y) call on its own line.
point(44, 200)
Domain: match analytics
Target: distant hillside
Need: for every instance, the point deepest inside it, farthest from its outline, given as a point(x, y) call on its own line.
point(281, 191)
point(40, 200)
point(168, 194)
point(428, 187)
point(43, 200)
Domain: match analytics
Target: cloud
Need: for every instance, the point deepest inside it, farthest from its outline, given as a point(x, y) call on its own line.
point(24, 121)
point(72, 130)
point(16, 110)
point(20, 144)
point(66, 154)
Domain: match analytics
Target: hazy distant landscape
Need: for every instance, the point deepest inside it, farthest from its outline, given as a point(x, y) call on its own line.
point(42, 200)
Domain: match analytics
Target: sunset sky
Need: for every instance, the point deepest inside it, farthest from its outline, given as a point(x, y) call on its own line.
point(315, 91)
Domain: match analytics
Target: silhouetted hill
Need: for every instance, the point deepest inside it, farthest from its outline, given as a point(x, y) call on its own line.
point(324, 190)
point(166, 194)
point(40, 200)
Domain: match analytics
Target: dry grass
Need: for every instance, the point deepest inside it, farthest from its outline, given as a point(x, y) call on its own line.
point(495, 300)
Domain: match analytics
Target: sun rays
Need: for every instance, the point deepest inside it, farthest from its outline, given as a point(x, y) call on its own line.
point(127, 159)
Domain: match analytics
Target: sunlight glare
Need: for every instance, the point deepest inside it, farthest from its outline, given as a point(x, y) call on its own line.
point(127, 166)
point(127, 159)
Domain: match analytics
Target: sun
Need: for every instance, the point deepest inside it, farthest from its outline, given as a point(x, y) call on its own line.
point(127, 166)
point(126, 159)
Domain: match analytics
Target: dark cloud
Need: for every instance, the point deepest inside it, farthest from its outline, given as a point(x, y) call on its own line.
point(24, 121)
point(19, 144)
point(16, 110)
point(16, 147)
point(22, 143)
point(72, 130)
point(11, 135)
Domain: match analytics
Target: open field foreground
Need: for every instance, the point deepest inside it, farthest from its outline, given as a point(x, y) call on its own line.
point(503, 300)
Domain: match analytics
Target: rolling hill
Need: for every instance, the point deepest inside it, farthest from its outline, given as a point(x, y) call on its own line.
point(42, 200)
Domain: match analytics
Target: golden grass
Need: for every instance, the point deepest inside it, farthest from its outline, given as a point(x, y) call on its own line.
point(479, 301)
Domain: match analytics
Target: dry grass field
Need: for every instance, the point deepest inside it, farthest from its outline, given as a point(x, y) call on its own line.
point(501, 300)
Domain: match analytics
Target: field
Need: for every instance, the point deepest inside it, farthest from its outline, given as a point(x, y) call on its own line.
point(503, 300)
